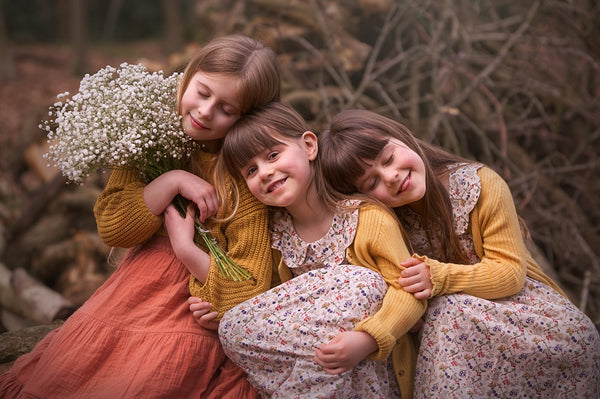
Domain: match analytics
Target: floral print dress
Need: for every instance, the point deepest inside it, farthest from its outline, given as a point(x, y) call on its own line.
point(535, 343)
point(273, 336)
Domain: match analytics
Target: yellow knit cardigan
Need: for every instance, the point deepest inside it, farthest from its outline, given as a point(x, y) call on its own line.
point(124, 220)
point(505, 260)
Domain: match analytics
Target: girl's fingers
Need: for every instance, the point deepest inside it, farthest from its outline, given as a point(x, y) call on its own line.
point(410, 272)
point(411, 262)
point(424, 294)
point(203, 210)
point(408, 281)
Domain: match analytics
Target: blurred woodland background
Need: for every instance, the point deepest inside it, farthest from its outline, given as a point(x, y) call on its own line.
point(515, 85)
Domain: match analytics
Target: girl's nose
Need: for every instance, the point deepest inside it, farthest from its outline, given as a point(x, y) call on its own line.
point(265, 171)
point(206, 109)
point(390, 176)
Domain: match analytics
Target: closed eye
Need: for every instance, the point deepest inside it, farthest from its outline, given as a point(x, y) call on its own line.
point(372, 184)
point(228, 110)
point(389, 159)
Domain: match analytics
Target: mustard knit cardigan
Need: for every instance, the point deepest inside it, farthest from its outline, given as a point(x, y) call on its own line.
point(495, 228)
point(124, 220)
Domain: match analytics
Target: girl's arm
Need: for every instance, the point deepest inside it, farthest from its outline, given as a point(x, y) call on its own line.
point(502, 269)
point(122, 217)
point(160, 192)
point(129, 212)
point(379, 245)
point(181, 235)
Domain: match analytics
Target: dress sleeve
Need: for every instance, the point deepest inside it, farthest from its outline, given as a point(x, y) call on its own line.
point(502, 269)
point(379, 245)
point(122, 217)
point(246, 240)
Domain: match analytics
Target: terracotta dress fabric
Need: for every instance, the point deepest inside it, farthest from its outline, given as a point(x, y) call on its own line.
point(134, 338)
point(535, 343)
point(273, 336)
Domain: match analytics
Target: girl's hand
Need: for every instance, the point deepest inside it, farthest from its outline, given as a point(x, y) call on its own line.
point(416, 278)
point(201, 193)
point(159, 193)
point(180, 230)
point(202, 314)
point(345, 351)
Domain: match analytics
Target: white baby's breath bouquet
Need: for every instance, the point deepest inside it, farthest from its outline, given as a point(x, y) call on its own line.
point(125, 117)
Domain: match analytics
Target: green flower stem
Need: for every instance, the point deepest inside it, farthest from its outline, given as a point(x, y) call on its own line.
point(227, 266)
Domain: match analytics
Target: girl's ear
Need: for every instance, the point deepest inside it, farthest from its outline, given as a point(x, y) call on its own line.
point(311, 145)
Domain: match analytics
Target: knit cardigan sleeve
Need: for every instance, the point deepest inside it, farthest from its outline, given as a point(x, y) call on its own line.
point(379, 245)
point(122, 217)
point(246, 240)
point(499, 244)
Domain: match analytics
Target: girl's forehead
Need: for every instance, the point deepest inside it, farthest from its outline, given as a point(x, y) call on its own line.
point(217, 80)
point(226, 87)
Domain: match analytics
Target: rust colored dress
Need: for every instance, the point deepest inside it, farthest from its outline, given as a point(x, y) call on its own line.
point(135, 336)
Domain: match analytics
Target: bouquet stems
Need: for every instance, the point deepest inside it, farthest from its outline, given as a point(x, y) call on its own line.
point(227, 266)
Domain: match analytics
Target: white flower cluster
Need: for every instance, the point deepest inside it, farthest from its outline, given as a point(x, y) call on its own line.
point(119, 117)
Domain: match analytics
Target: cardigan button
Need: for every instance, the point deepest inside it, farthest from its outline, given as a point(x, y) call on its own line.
point(401, 373)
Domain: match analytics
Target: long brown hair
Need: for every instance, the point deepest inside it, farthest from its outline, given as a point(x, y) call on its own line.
point(355, 137)
point(244, 58)
point(247, 59)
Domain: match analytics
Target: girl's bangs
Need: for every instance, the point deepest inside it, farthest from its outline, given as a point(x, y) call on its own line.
point(244, 144)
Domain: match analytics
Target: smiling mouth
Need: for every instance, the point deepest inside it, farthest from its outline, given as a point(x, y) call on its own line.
point(197, 123)
point(274, 186)
point(405, 184)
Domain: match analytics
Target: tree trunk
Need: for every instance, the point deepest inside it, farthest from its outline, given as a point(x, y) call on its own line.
point(173, 25)
point(78, 24)
point(7, 61)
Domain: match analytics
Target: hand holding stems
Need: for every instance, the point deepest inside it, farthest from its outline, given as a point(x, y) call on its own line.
point(183, 188)
point(181, 234)
point(161, 191)
point(416, 278)
point(345, 351)
point(202, 314)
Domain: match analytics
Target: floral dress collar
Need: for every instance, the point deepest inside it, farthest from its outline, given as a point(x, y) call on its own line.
point(301, 256)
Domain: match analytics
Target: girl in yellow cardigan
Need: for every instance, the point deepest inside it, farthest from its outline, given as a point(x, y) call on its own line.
point(329, 329)
point(135, 337)
point(496, 325)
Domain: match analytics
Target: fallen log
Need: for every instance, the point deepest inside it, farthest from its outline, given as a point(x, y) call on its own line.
point(16, 343)
point(27, 297)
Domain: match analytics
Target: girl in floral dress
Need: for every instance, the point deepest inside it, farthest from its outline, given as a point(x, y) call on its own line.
point(328, 331)
point(496, 325)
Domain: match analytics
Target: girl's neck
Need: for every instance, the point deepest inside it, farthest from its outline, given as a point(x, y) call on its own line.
point(211, 146)
point(311, 218)
point(417, 207)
